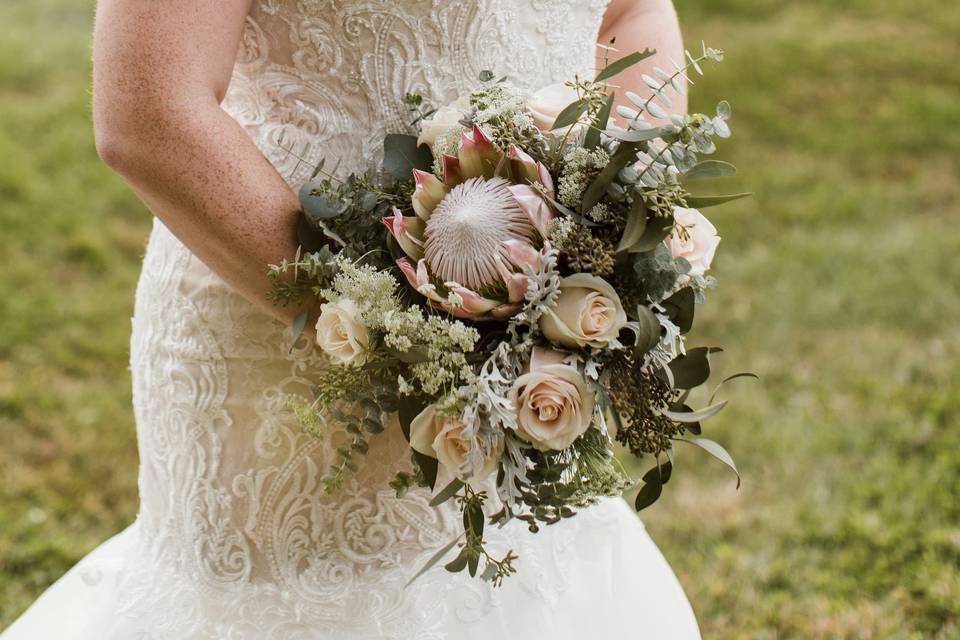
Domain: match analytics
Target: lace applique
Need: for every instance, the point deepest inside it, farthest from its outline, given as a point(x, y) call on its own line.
point(236, 533)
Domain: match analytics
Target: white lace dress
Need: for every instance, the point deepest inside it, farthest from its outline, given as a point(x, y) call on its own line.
point(236, 538)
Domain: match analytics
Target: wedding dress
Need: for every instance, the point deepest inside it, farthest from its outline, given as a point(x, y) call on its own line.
point(236, 538)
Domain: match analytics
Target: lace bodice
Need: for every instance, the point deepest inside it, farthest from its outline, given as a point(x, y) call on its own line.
point(234, 517)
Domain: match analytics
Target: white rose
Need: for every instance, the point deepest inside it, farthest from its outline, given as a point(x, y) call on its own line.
point(442, 121)
point(341, 334)
point(588, 312)
point(547, 103)
point(439, 436)
point(696, 241)
point(553, 404)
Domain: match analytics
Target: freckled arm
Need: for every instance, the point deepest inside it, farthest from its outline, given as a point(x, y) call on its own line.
point(161, 69)
point(638, 25)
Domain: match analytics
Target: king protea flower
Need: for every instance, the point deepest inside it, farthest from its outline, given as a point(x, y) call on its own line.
point(475, 231)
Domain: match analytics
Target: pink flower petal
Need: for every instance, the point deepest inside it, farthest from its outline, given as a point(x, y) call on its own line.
point(532, 204)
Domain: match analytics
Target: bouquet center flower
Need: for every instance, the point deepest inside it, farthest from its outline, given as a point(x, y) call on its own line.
point(466, 233)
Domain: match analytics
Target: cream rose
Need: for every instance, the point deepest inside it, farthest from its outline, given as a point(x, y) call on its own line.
point(554, 406)
point(441, 121)
point(341, 334)
point(547, 103)
point(440, 437)
point(588, 312)
point(696, 242)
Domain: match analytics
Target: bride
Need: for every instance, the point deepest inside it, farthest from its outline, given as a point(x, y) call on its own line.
point(215, 112)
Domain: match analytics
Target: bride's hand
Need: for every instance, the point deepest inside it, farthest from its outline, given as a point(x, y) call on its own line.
point(160, 72)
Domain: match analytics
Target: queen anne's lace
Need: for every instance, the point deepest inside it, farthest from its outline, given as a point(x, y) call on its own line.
point(237, 537)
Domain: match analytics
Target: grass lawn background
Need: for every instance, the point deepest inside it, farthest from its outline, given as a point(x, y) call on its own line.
point(838, 285)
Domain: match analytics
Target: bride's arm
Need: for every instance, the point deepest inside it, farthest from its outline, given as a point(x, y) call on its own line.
point(641, 24)
point(160, 72)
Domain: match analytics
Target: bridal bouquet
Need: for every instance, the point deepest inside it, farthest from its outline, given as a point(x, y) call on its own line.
point(515, 286)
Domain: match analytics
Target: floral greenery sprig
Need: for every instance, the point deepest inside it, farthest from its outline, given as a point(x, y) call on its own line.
point(517, 285)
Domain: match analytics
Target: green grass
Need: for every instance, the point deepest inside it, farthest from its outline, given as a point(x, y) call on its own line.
point(838, 285)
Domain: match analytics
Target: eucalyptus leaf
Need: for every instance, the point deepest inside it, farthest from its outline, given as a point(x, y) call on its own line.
point(299, 324)
point(652, 236)
point(473, 520)
point(634, 135)
point(649, 493)
point(459, 563)
point(717, 451)
point(622, 64)
point(691, 369)
point(680, 308)
point(318, 206)
point(743, 374)
point(570, 114)
point(473, 561)
point(410, 407)
point(635, 227)
point(434, 559)
point(711, 169)
point(696, 416)
point(702, 202)
point(648, 329)
point(446, 493)
point(724, 110)
point(309, 237)
point(592, 139)
point(692, 427)
point(624, 154)
point(401, 155)
point(428, 466)
point(656, 110)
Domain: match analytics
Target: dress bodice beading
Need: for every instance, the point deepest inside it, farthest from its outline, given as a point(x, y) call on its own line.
point(234, 516)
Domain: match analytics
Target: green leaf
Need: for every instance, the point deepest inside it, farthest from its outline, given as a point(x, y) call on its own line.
point(592, 139)
point(318, 206)
point(428, 467)
point(634, 135)
point(648, 329)
point(696, 416)
point(691, 370)
point(401, 156)
point(635, 227)
point(413, 355)
point(309, 237)
point(299, 324)
point(710, 169)
point(680, 308)
point(459, 563)
point(661, 472)
point(473, 520)
point(744, 374)
point(624, 154)
point(410, 407)
point(446, 493)
point(648, 494)
point(434, 559)
point(692, 427)
point(717, 451)
point(473, 561)
point(624, 63)
point(653, 235)
point(702, 202)
point(570, 114)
